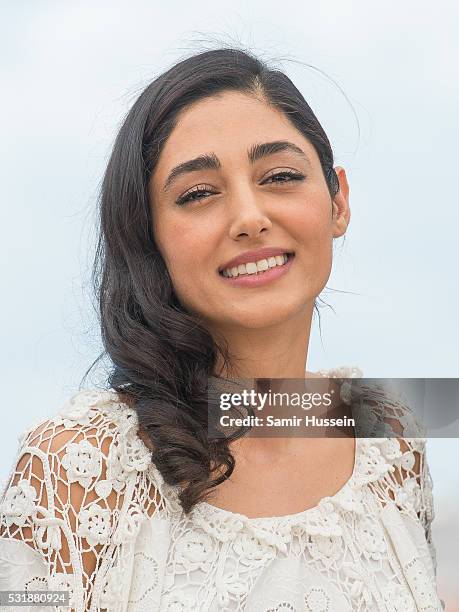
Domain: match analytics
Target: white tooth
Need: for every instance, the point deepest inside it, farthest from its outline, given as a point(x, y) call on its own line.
point(262, 265)
point(254, 267)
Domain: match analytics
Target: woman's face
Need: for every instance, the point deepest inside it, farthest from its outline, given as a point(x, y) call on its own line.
point(235, 205)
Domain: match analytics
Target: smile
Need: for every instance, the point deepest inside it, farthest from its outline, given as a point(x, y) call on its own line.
point(254, 274)
point(256, 267)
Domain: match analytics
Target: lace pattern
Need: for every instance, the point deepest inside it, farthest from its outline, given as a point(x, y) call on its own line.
point(77, 496)
point(85, 510)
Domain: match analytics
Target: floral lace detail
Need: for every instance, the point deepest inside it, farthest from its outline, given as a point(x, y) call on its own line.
point(80, 408)
point(85, 510)
point(83, 462)
point(317, 600)
point(75, 501)
point(398, 599)
point(145, 578)
point(36, 583)
point(19, 504)
point(370, 538)
point(251, 550)
point(94, 524)
point(327, 549)
point(194, 551)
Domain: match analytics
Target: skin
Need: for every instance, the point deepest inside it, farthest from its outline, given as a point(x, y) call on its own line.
point(267, 328)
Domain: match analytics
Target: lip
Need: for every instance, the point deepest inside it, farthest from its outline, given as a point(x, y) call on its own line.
point(254, 256)
point(263, 278)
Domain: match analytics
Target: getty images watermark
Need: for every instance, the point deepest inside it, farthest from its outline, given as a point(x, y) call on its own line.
point(333, 407)
point(261, 401)
point(278, 408)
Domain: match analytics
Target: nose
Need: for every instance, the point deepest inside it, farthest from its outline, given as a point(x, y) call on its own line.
point(248, 217)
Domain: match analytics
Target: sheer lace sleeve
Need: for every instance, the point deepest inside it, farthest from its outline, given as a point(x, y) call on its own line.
point(409, 482)
point(78, 491)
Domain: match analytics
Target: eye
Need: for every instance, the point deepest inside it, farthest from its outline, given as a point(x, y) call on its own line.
point(286, 174)
point(194, 194)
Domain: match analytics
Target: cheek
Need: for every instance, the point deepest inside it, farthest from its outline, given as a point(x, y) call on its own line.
point(313, 231)
point(312, 226)
point(188, 253)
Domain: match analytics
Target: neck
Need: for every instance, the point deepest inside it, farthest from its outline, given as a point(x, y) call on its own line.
point(278, 351)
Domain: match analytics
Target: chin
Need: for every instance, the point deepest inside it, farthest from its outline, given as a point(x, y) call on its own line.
point(273, 315)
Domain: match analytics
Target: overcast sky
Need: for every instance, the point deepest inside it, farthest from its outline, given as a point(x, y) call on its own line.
point(71, 70)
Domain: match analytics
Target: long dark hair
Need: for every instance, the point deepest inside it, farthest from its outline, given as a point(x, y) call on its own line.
point(161, 355)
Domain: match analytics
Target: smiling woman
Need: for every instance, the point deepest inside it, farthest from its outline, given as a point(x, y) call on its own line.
point(251, 183)
point(218, 212)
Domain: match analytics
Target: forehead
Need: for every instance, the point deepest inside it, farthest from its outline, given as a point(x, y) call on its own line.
point(227, 124)
point(230, 108)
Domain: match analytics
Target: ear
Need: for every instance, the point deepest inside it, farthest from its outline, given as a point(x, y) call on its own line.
point(341, 214)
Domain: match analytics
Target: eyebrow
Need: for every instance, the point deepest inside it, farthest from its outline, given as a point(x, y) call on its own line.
point(210, 161)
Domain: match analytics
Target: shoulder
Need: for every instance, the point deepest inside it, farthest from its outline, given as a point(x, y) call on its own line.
point(90, 444)
point(380, 411)
point(95, 411)
point(395, 443)
point(390, 425)
point(80, 488)
point(384, 413)
point(81, 410)
point(96, 417)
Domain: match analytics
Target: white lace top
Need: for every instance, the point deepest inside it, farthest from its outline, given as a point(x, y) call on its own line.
point(85, 510)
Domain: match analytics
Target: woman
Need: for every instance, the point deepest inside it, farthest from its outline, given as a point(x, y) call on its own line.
point(219, 208)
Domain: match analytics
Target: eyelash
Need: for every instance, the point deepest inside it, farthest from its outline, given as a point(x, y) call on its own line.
point(294, 176)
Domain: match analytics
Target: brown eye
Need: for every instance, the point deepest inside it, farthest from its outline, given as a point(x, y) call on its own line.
point(193, 194)
point(287, 177)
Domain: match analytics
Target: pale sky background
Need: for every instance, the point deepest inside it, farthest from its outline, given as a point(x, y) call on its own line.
point(71, 70)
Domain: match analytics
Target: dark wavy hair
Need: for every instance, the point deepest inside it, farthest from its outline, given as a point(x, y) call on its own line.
point(161, 354)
